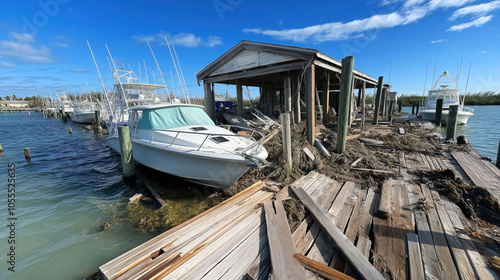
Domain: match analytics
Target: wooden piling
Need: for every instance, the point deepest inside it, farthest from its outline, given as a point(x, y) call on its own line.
point(345, 96)
point(326, 97)
point(439, 112)
point(377, 100)
point(98, 128)
point(296, 98)
point(413, 109)
point(285, 123)
point(418, 108)
point(363, 104)
point(239, 98)
point(311, 111)
point(27, 154)
point(209, 100)
point(451, 125)
point(70, 131)
point(1, 150)
point(391, 109)
point(497, 163)
point(126, 152)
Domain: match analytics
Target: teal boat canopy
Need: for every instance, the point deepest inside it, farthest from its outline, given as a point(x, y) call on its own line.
point(173, 117)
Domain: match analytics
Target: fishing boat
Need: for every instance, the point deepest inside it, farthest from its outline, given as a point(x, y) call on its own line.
point(445, 88)
point(84, 112)
point(182, 140)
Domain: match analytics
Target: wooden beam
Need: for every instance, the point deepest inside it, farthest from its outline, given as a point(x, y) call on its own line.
point(209, 100)
point(364, 268)
point(321, 269)
point(326, 97)
point(416, 268)
point(156, 196)
point(239, 98)
point(384, 206)
point(281, 243)
point(296, 83)
point(363, 104)
point(344, 103)
point(311, 108)
point(377, 100)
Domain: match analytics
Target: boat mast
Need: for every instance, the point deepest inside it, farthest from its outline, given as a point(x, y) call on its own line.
point(425, 83)
point(182, 75)
point(102, 83)
point(466, 84)
point(175, 66)
point(157, 65)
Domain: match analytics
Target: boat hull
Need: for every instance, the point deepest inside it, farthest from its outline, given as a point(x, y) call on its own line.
point(83, 118)
point(462, 118)
point(213, 171)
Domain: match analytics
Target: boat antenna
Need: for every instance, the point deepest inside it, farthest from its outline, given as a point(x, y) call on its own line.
point(434, 75)
point(175, 66)
point(140, 72)
point(146, 72)
point(117, 76)
point(173, 84)
point(390, 69)
point(182, 75)
point(158, 65)
point(425, 83)
point(100, 79)
point(466, 84)
point(459, 70)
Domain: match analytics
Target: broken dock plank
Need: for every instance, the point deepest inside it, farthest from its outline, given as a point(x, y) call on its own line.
point(416, 268)
point(364, 268)
point(321, 269)
point(284, 265)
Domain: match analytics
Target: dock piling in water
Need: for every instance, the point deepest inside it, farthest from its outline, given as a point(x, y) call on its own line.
point(417, 108)
point(98, 128)
point(126, 152)
point(70, 131)
point(497, 163)
point(451, 125)
point(1, 150)
point(344, 102)
point(439, 112)
point(27, 154)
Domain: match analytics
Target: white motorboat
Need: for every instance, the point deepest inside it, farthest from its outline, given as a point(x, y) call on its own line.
point(84, 112)
point(450, 93)
point(180, 139)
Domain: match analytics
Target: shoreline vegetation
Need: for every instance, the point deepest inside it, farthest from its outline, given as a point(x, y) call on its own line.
point(471, 99)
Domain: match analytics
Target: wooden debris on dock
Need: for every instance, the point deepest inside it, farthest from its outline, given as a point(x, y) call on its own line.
point(384, 205)
point(321, 269)
point(284, 266)
point(416, 268)
point(309, 153)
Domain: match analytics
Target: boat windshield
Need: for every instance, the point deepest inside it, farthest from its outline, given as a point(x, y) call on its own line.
point(173, 117)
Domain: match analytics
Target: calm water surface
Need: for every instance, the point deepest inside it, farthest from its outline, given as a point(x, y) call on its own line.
point(72, 185)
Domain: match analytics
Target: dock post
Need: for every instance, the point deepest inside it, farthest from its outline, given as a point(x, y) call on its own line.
point(310, 103)
point(451, 126)
point(418, 108)
point(345, 97)
point(285, 123)
point(497, 163)
point(391, 109)
point(1, 150)
point(296, 98)
point(98, 128)
point(377, 100)
point(326, 97)
point(126, 151)
point(63, 114)
point(27, 154)
point(413, 109)
point(439, 112)
point(70, 131)
point(363, 104)
point(239, 98)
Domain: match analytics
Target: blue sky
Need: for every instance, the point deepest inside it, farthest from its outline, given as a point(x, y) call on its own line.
point(43, 44)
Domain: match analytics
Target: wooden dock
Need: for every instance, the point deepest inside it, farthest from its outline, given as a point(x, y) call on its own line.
point(400, 230)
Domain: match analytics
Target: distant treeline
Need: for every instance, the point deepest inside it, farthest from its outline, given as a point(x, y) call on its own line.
point(478, 98)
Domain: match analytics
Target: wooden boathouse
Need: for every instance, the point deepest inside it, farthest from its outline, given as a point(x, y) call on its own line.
point(314, 79)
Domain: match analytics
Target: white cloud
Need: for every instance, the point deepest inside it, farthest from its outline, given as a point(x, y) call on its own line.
point(434, 4)
point(439, 41)
point(182, 39)
point(475, 23)
point(80, 70)
point(477, 10)
point(61, 45)
point(4, 64)
point(21, 49)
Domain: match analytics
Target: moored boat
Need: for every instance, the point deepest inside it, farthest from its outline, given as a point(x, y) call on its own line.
point(450, 93)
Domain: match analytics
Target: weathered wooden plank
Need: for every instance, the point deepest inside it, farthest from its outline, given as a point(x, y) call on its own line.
point(321, 269)
point(402, 224)
point(322, 249)
point(364, 242)
point(355, 219)
point(358, 261)
point(214, 253)
point(460, 256)
point(384, 206)
point(402, 163)
point(182, 248)
point(449, 270)
point(284, 266)
point(142, 253)
point(416, 269)
point(156, 195)
point(382, 244)
point(338, 203)
point(430, 260)
point(260, 265)
point(325, 198)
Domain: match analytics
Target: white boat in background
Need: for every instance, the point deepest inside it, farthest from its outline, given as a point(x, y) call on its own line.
point(450, 93)
point(182, 140)
point(84, 112)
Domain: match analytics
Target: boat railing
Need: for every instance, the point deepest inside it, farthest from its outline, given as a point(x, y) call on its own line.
point(468, 110)
point(253, 133)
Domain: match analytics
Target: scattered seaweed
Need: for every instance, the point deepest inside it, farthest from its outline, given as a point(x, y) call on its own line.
point(295, 212)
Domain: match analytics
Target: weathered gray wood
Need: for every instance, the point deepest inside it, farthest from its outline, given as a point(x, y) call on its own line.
point(384, 206)
point(391, 110)
point(451, 126)
point(378, 99)
point(287, 138)
point(439, 112)
point(416, 269)
point(364, 243)
point(296, 83)
point(127, 157)
point(353, 255)
point(344, 103)
point(209, 100)
point(311, 111)
point(239, 98)
point(156, 196)
point(363, 104)
point(402, 224)
point(321, 269)
point(326, 97)
point(284, 265)
point(27, 154)
point(309, 153)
